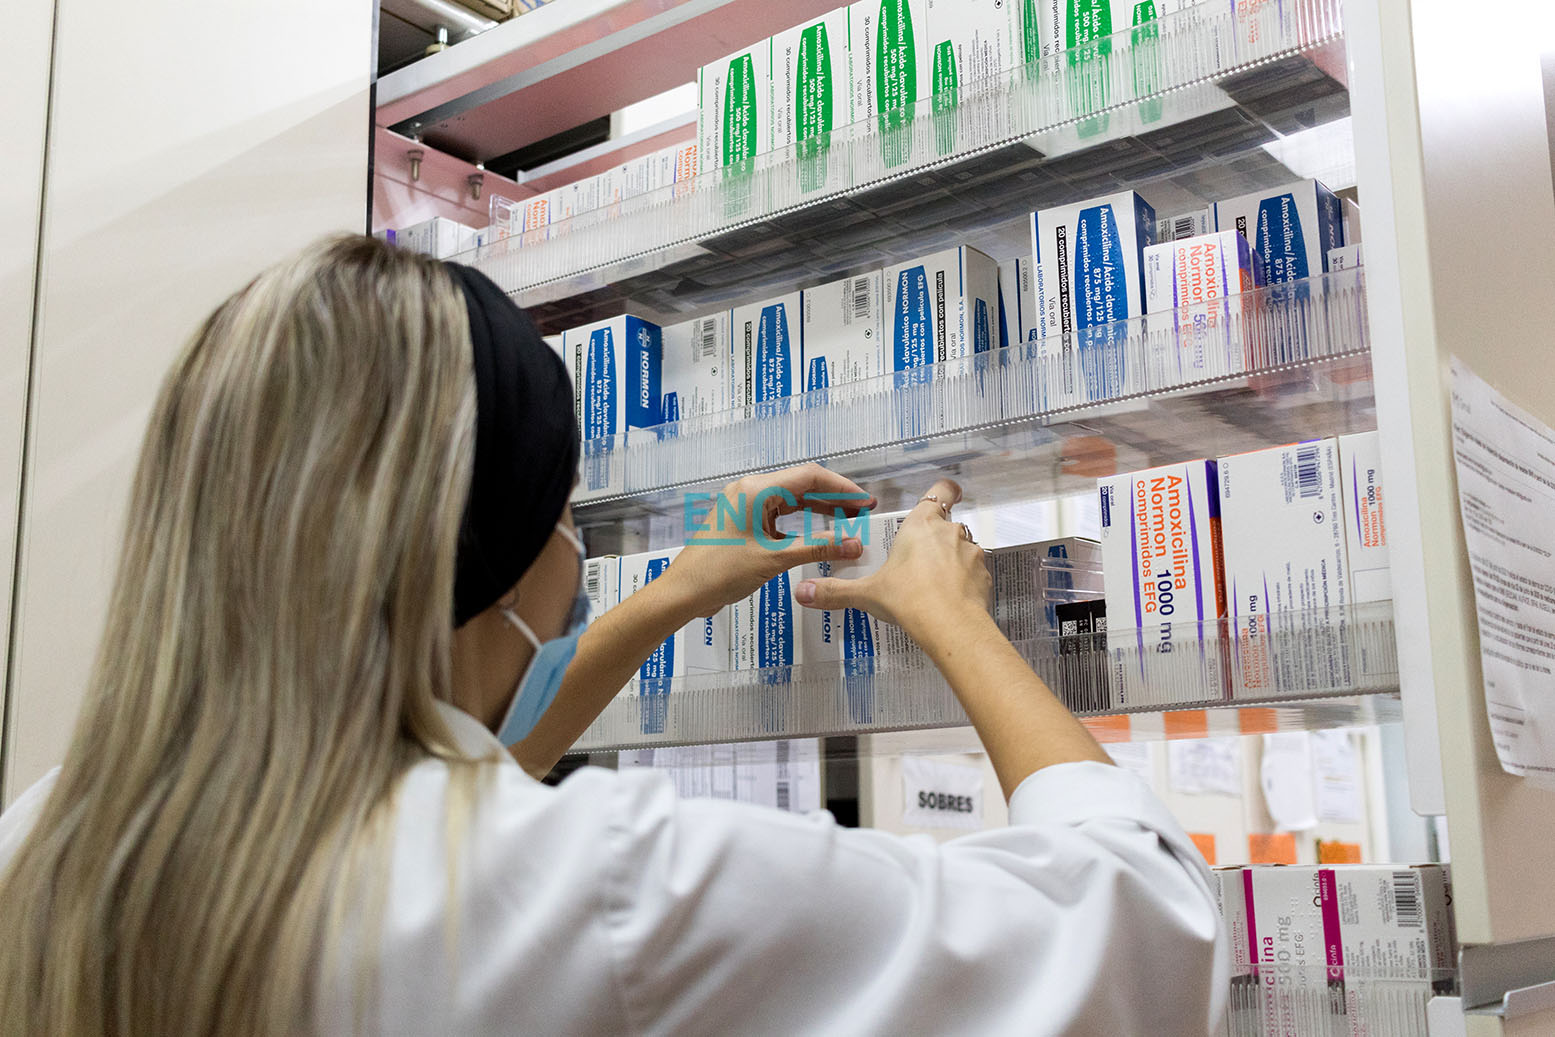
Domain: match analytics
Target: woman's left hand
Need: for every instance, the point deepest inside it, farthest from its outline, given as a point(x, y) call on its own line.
point(738, 547)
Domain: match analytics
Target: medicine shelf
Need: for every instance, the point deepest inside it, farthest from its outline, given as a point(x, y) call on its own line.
point(902, 691)
point(1199, 86)
point(1275, 365)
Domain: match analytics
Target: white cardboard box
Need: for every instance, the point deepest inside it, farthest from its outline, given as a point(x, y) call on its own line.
point(1160, 543)
point(843, 332)
point(601, 584)
point(1193, 276)
point(1185, 225)
point(734, 111)
point(1017, 302)
point(940, 307)
point(1287, 574)
point(697, 368)
point(1089, 261)
point(1366, 531)
point(1345, 257)
point(616, 367)
point(974, 44)
point(811, 87)
point(438, 237)
point(768, 344)
point(766, 628)
point(892, 69)
point(1290, 228)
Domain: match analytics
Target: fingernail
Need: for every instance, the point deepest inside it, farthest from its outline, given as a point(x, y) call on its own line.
point(804, 593)
point(850, 548)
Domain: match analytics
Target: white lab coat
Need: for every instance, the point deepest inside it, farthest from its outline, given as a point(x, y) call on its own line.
point(608, 906)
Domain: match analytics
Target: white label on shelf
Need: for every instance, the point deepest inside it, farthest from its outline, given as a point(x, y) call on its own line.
point(941, 795)
point(1205, 766)
point(1506, 494)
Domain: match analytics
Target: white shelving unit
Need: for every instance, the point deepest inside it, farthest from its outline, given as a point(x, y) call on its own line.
point(1448, 139)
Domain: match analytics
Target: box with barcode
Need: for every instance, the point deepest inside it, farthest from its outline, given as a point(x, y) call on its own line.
point(1287, 570)
point(1030, 580)
point(1166, 592)
point(734, 111)
point(1184, 225)
point(842, 339)
point(601, 584)
point(1290, 228)
point(697, 376)
point(768, 343)
point(1347, 949)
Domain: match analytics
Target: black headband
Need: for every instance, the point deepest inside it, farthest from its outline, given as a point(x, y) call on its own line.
point(526, 447)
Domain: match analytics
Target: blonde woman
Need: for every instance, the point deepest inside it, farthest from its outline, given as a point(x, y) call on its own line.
point(349, 565)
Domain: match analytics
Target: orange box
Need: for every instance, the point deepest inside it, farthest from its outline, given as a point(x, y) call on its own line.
point(1337, 852)
point(1206, 846)
point(1186, 723)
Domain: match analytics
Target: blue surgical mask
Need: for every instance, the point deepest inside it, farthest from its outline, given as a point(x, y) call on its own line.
point(543, 676)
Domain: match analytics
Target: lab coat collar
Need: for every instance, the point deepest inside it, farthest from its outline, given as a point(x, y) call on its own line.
point(471, 736)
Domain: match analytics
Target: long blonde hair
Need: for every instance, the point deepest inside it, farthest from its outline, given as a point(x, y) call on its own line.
point(278, 632)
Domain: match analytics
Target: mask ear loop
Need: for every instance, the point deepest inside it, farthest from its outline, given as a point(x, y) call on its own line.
point(523, 628)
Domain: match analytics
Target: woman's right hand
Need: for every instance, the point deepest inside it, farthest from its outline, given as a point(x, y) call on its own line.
point(934, 576)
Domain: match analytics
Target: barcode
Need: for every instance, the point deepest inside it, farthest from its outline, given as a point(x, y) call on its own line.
point(1307, 470)
point(860, 297)
point(1182, 227)
point(782, 795)
point(782, 752)
point(591, 574)
point(1406, 898)
point(708, 342)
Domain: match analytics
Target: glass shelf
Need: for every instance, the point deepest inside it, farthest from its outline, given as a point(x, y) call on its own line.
point(1195, 85)
point(903, 691)
point(1276, 365)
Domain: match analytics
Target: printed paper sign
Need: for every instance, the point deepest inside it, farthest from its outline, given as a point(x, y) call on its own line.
point(1506, 494)
point(941, 795)
point(1205, 766)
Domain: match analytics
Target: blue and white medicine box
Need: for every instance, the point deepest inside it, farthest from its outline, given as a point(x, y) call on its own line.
point(768, 344)
point(940, 307)
point(1290, 228)
point(700, 647)
point(1089, 261)
point(842, 332)
point(616, 368)
point(696, 379)
point(1017, 302)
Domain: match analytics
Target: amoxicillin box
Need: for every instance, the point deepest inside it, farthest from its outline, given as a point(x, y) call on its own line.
point(853, 637)
point(1366, 530)
point(1165, 589)
point(1291, 228)
point(734, 110)
point(1193, 276)
point(811, 89)
point(601, 584)
point(973, 43)
point(891, 70)
point(616, 367)
point(1283, 531)
point(1017, 302)
point(768, 344)
point(940, 307)
point(1345, 257)
point(1089, 261)
point(697, 376)
point(654, 680)
point(843, 332)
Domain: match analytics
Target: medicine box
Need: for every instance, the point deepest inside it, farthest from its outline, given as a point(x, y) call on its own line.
point(1165, 589)
point(696, 378)
point(1030, 580)
point(1282, 523)
point(438, 237)
point(601, 584)
point(811, 87)
point(1352, 221)
point(973, 43)
point(1185, 225)
point(843, 332)
point(1366, 531)
point(734, 110)
point(655, 677)
point(616, 368)
point(1017, 302)
point(765, 628)
point(1345, 257)
point(853, 637)
point(768, 345)
point(1064, 24)
point(1319, 934)
point(1291, 228)
point(1191, 277)
point(1089, 261)
point(940, 307)
point(891, 70)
